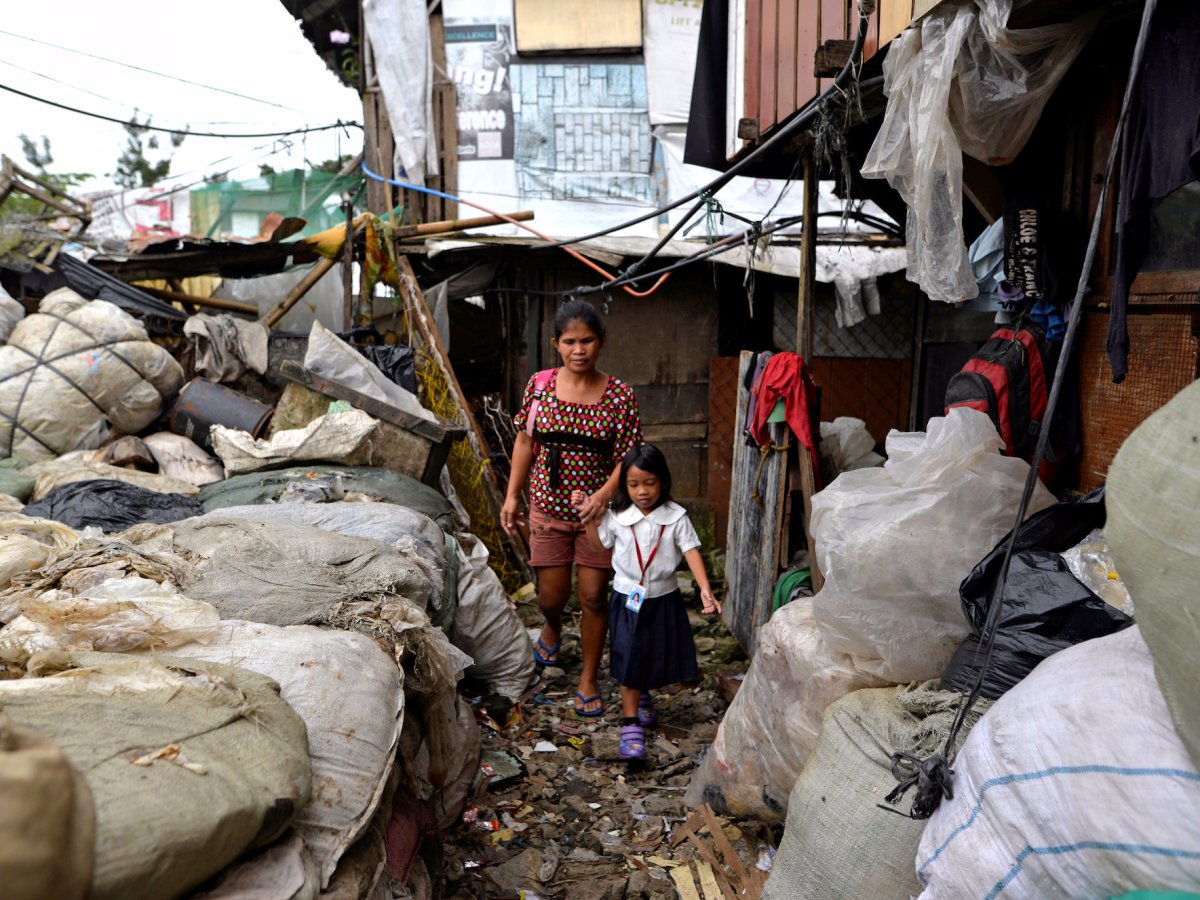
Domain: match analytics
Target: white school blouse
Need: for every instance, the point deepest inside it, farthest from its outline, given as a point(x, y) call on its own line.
point(617, 533)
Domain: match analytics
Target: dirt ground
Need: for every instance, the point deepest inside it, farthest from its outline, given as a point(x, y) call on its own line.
point(559, 814)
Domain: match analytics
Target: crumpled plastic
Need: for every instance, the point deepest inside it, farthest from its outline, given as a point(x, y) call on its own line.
point(961, 81)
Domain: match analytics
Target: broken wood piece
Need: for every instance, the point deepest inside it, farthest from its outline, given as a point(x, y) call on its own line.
point(691, 826)
point(727, 880)
point(723, 845)
point(684, 883)
point(708, 881)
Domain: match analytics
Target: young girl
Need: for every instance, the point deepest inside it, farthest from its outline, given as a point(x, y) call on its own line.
point(651, 639)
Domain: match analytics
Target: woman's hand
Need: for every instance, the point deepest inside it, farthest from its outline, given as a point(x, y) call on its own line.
point(510, 515)
point(709, 603)
point(593, 507)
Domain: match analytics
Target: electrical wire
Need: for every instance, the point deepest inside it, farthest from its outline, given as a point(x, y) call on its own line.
point(182, 131)
point(499, 215)
point(117, 62)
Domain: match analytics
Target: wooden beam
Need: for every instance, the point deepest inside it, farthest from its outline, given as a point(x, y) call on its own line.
point(246, 309)
point(315, 274)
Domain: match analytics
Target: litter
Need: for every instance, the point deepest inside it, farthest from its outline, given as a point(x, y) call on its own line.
point(184, 460)
point(544, 747)
point(349, 438)
point(27, 542)
point(225, 347)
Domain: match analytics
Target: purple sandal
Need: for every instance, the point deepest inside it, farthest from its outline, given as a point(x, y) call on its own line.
point(633, 742)
point(647, 714)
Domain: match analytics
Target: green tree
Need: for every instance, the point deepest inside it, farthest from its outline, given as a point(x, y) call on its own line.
point(134, 167)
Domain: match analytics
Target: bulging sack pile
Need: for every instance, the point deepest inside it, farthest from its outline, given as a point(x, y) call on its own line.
point(74, 373)
point(1075, 784)
point(894, 542)
point(190, 763)
point(837, 842)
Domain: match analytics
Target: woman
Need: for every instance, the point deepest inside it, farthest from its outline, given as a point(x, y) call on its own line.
point(584, 422)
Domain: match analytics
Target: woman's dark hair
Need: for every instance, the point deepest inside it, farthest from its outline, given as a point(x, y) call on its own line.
point(578, 311)
point(650, 459)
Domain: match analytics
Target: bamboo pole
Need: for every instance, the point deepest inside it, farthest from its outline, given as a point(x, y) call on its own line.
point(248, 309)
point(459, 224)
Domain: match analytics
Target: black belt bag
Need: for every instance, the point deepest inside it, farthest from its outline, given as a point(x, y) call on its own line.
point(553, 441)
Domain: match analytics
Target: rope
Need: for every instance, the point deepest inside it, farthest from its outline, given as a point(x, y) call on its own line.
point(763, 452)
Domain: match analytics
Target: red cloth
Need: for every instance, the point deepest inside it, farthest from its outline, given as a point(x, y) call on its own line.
point(787, 377)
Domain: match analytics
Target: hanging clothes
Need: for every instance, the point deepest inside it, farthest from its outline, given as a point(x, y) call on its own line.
point(786, 377)
point(1160, 151)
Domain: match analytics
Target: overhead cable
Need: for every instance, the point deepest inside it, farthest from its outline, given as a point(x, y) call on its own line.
point(184, 131)
point(117, 62)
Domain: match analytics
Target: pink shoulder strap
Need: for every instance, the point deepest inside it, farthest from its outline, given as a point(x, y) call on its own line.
point(540, 381)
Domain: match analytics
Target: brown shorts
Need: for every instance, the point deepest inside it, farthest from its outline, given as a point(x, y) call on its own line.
point(553, 542)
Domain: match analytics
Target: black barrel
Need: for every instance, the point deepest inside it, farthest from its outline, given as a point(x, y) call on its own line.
point(202, 404)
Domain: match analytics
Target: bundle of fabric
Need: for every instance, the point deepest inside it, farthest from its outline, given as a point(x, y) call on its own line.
point(75, 372)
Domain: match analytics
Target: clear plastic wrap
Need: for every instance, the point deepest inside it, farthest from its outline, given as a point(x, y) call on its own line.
point(1091, 562)
point(961, 81)
point(896, 542)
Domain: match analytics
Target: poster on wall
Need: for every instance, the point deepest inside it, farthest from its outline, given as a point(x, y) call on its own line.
point(672, 35)
point(479, 56)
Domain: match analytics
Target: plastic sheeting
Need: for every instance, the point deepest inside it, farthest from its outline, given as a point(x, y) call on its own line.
point(112, 505)
point(961, 81)
point(399, 34)
point(226, 347)
point(895, 543)
point(345, 437)
point(1075, 784)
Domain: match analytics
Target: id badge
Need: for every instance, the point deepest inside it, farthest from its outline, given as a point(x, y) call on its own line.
point(636, 596)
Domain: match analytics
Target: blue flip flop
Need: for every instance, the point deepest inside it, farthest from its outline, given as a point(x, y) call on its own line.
point(549, 651)
point(583, 713)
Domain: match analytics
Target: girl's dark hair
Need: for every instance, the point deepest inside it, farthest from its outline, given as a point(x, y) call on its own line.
point(650, 459)
point(578, 311)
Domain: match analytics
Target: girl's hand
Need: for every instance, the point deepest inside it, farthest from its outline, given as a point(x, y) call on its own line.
point(510, 515)
point(709, 603)
point(593, 507)
point(578, 499)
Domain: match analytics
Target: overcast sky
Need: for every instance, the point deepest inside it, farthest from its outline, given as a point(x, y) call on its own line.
point(251, 47)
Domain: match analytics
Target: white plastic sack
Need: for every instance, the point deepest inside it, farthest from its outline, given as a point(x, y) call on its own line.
point(896, 542)
point(486, 628)
point(107, 376)
point(346, 437)
point(349, 693)
point(182, 459)
point(772, 724)
point(27, 542)
point(1075, 784)
point(11, 312)
point(116, 616)
point(847, 444)
point(331, 357)
point(961, 81)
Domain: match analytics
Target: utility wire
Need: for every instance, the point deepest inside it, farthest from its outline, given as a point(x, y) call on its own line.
point(117, 62)
point(183, 131)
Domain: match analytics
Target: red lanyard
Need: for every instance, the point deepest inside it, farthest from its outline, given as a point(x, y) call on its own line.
point(638, 547)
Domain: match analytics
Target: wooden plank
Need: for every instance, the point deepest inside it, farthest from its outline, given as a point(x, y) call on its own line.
point(684, 883)
point(722, 416)
point(708, 881)
point(894, 16)
point(768, 63)
point(758, 483)
point(789, 58)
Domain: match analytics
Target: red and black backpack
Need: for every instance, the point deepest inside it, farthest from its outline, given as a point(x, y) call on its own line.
point(1009, 379)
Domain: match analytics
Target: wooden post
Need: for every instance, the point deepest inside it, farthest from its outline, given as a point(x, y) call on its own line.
point(348, 268)
point(805, 304)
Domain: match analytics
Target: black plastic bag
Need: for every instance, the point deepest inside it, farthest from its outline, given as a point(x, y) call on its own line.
point(396, 362)
point(112, 505)
point(1044, 607)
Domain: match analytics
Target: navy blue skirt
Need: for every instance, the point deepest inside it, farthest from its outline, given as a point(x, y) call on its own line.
point(654, 647)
